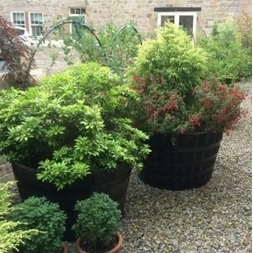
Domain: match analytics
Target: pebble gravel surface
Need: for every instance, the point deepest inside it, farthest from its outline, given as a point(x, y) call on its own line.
point(216, 218)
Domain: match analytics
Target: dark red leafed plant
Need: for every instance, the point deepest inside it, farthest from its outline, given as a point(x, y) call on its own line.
point(18, 58)
point(219, 105)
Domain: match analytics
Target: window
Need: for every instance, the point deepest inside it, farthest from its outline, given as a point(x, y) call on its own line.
point(186, 20)
point(76, 11)
point(183, 16)
point(36, 23)
point(18, 19)
point(77, 14)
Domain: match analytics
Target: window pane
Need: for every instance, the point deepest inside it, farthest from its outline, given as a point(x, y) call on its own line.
point(18, 19)
point(165, 18)
point(187, 23)
point(37, 31)
point(36, 24)
point(36, 18)
point(77, 14)
point(77, 11)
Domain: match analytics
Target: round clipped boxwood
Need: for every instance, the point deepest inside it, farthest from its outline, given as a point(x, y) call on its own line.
point(97, 223)
point(47, 218)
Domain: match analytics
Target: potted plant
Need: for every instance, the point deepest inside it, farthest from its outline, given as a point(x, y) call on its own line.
point(47, 218)
point(97, 225)
point(184, 115)
point(229, 60)
point(11, 235)
point(70, 136)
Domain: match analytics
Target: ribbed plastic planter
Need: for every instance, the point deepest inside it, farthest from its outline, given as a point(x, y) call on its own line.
point(184, 165)
point(114, 183)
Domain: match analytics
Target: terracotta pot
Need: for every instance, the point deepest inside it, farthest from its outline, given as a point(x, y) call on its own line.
point(116, 249)
point(65, 248)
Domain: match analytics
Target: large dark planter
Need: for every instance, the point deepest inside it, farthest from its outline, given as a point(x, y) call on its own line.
point(184, 165)
point(114, 183)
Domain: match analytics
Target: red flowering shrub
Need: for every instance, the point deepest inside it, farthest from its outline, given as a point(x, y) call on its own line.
point(211, 107)
point(218, 106)
point(167, 76)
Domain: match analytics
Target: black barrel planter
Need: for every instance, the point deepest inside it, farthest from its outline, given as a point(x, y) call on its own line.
point(186, 164)
point(114, 183)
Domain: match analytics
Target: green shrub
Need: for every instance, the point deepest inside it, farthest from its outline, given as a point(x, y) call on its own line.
point(72, 125)
point(12, 233)
point(171, 57)
point(114, 46)
point(47, 217)
point(98, 220)
point(228, 59)
point(167, 78)
point(166, 69)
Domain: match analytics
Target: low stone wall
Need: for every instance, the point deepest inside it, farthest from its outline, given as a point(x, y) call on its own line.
point(6, 173)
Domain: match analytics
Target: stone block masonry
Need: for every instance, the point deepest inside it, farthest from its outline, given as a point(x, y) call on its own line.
point(141, 12)
point(6, 173)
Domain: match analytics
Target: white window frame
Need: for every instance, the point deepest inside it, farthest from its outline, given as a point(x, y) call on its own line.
point(76, 15)
point(32, 25)
point(75, 8)
point(176, 15)
point(12, 18)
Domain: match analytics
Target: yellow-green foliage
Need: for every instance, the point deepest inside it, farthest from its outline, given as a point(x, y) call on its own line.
point(172, 57)
point(70, 125)
point(10, 236)
point(167, 75)
point(228, 58)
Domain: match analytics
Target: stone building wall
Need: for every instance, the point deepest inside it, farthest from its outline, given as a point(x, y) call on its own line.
point(99, 12)
point(142, 11)
point(6, 173)
point(52, 10)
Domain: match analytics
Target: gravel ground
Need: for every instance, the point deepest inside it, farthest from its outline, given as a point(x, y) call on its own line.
point(215, 218)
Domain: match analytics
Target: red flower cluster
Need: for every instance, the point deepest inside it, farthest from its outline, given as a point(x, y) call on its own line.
point(221, 105)
point(210, 106)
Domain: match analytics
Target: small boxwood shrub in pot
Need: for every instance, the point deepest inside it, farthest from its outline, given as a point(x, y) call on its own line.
point(97, 225)
point(47, 218)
